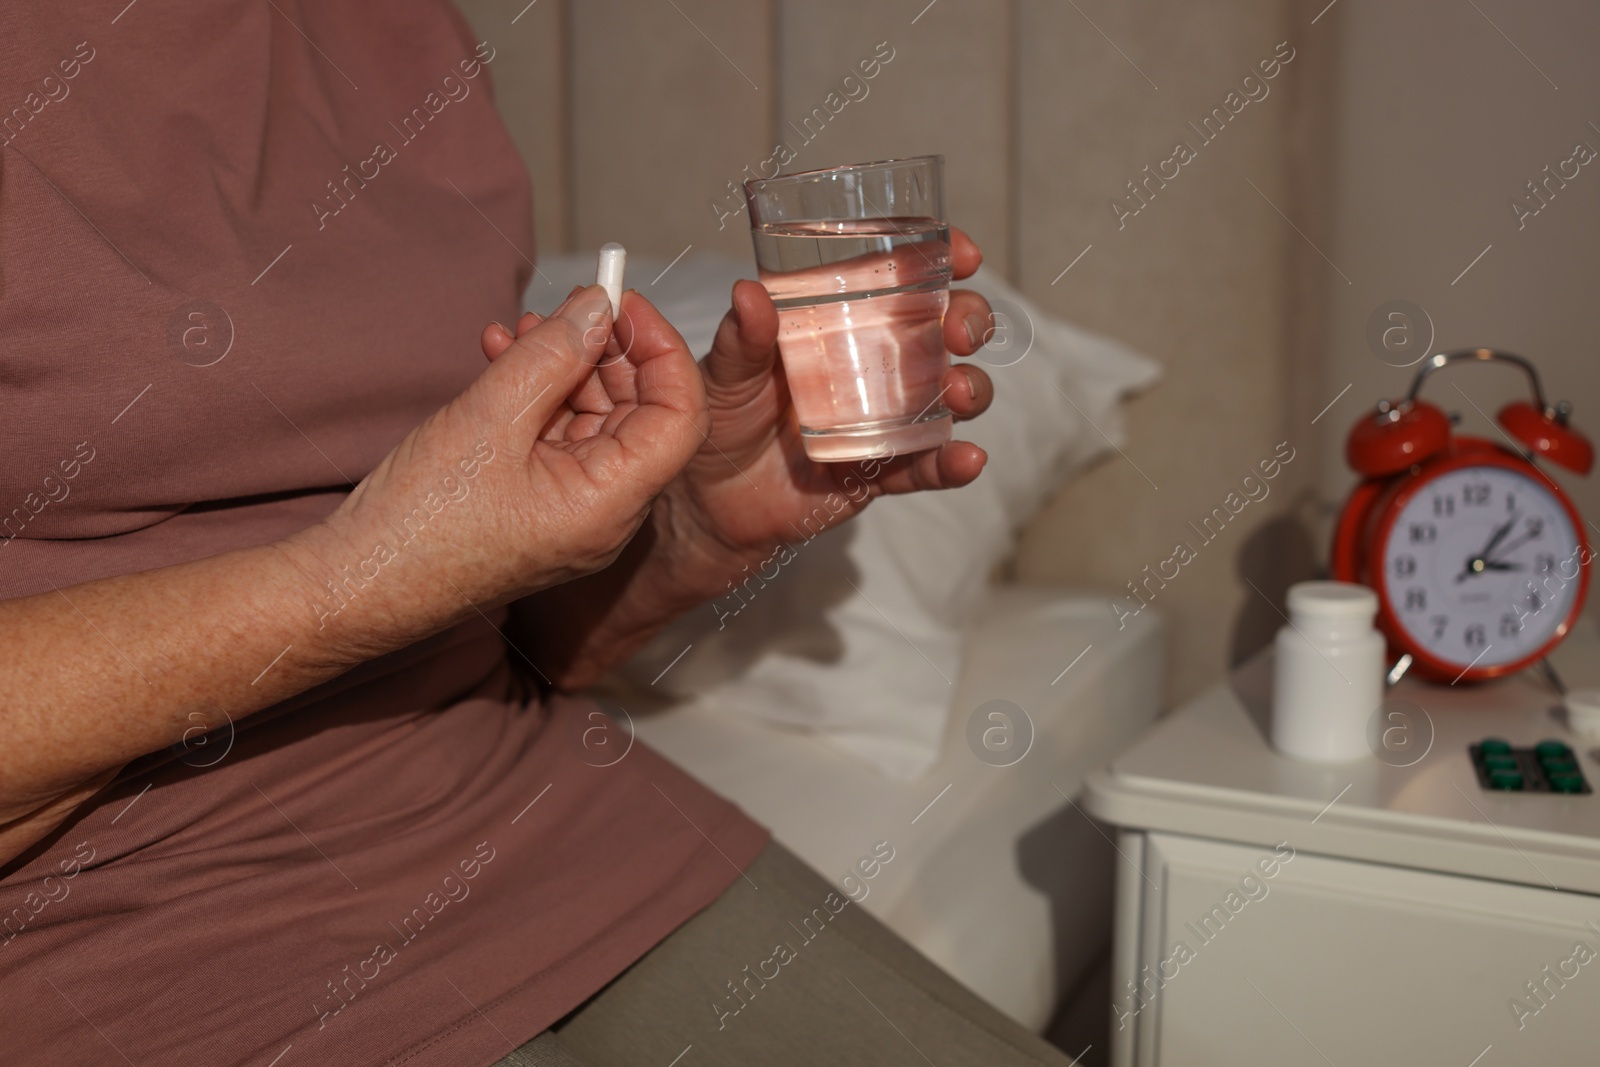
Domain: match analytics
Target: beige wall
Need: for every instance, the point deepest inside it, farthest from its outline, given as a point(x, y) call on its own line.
point(1043, 111)
point(1204, 277)
point(1442, 121)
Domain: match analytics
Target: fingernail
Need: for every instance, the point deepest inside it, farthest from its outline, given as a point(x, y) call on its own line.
point(576, 289)
point(977, 328)
point(497, 322)
point(587, 307)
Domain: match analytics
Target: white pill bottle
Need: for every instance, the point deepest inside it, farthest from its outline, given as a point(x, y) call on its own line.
point(1328, 673)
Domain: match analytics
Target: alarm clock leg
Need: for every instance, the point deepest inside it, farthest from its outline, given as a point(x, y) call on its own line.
point(1550, 675)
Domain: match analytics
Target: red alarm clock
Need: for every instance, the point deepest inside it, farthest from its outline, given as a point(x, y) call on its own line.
point(1479, 560)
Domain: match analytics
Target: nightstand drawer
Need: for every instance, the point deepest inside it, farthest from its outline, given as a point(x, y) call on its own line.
point(1248, 956)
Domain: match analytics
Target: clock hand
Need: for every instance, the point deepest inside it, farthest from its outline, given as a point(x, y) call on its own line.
point(1477, 564)
point(1524, 539)
point(1499, 535)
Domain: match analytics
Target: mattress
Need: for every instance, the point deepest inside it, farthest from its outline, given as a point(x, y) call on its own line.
point(995, 874)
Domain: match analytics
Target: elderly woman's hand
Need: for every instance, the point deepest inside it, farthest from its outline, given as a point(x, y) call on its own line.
point(539, 473)
point(751, 485)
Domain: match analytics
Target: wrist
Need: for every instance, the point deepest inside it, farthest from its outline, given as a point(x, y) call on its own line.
point(700, 560)
point(357, 603)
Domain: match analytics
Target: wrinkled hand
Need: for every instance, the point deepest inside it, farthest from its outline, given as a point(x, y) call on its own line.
point(750, 484)
point(546, 466)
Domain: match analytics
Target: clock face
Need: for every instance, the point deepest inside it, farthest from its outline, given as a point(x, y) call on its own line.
point(1481, 567)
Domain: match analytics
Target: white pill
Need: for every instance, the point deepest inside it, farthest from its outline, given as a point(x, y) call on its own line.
point(613, 258)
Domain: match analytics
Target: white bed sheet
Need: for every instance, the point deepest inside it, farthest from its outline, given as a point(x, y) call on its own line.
point(996, 875)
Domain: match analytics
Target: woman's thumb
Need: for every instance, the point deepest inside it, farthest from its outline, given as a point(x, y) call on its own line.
point(746, 342)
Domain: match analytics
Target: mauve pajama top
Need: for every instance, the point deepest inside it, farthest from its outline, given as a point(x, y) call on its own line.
point(244, 248)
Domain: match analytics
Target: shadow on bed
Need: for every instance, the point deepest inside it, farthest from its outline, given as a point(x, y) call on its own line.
point(1067, 858)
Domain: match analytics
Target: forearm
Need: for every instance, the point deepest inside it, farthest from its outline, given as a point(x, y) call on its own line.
point(100, 673)
point(468, 512)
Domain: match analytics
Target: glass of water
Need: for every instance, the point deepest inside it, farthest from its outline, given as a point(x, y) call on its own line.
point(857, 260)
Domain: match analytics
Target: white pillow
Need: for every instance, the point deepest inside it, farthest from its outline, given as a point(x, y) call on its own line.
point(857, 637)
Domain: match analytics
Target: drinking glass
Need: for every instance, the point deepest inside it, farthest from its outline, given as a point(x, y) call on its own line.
point(857, 260)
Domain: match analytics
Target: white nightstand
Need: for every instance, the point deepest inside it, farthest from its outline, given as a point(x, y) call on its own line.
point(1416, 912)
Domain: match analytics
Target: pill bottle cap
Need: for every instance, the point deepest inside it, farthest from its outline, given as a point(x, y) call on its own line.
point(1583, 711)
point(1332, 601)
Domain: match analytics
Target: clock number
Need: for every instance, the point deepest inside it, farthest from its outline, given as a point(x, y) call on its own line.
point(1475, 494)
point(1535, 601)
point(1534, 528)
point(1424, 533)
point(1444, 507)
point(1416, 600)
point(1510, 625)
point(1474, 635)
point(1440, 624)
point(1511, 502)
point(1406, 566)
point(1544, 563)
